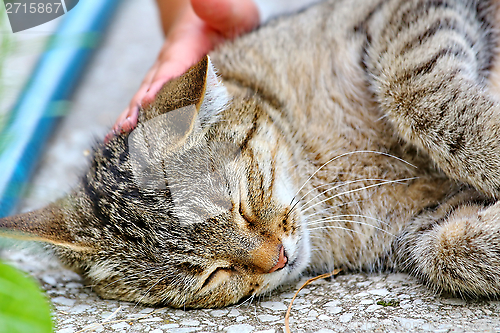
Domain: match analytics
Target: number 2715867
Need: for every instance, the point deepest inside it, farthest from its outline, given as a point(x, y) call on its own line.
point(48, 8)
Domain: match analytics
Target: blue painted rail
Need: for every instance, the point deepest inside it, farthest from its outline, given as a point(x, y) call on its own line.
point(45, 97)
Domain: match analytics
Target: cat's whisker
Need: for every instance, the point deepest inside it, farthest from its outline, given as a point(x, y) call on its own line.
point(249, 300)
point(319, 250)
point(307, 217)
point(352, 175)
point(322, 238)
point(357, 222)
point(147, 270)
point(347, 154)
point(334, 227)
point(147, 291)
point(382, 117)
point(406, 264)
point(266, 290)
point(357, 190)
point(244, 301)
point(298, 201)
point(382, 182)
point(328, 218)
point(142, 273)
point(330, 189)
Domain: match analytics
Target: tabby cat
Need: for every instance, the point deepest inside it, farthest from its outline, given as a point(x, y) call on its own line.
point(357, 134)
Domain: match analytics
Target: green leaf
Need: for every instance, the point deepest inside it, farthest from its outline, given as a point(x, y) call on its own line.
point(23, 307)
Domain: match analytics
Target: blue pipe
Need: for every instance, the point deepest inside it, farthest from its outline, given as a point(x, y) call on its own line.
point(46, 95)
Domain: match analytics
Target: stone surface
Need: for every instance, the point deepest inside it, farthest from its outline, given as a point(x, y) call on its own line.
point(347, 303)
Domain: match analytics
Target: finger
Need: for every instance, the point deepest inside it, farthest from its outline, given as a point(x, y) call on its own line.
point(229, 17)
point(144, 87)
point(130, 122)
point(135, 103)
point(108, 137)
point(174, 62)
point(165, 73)
point(120, 120)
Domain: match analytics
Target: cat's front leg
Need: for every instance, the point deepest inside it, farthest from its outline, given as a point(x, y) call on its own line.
point(455, 249)
point(429, 64)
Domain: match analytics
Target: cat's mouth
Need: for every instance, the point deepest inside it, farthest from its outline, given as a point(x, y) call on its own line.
point(293, 264)
point(298, 259)
point(298, 251)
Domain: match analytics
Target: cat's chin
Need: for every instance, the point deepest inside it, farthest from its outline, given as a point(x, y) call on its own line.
point(299, 257)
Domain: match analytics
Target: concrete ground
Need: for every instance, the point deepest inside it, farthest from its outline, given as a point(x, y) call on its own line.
point(347, 303)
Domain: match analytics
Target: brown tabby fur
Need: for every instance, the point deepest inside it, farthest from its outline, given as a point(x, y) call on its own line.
point(358, 134)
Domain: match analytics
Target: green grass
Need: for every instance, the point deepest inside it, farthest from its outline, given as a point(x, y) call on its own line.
point(392, 302)
point(23, 307)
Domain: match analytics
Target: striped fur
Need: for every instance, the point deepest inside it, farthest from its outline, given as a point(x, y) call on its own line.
point(358, 134)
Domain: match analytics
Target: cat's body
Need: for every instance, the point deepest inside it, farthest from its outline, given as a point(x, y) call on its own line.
point(355, 135)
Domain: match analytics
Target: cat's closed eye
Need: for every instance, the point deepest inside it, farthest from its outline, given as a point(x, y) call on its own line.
point(245, 212)
point(216, 277)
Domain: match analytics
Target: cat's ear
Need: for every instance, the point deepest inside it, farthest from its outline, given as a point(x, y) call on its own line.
point(182, 107)
point(198, 87)
point(51, 224)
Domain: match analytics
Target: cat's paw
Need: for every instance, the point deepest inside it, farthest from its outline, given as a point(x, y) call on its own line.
point(460, 252)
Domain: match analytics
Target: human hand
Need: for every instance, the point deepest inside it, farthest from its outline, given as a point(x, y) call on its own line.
point(200, 26)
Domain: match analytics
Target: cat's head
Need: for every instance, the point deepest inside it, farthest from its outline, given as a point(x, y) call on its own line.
point(191, 209)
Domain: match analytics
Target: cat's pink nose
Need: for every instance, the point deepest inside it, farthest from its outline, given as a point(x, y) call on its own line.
point(282, 260)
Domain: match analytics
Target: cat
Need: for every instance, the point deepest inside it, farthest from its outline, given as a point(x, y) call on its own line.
point(357, 134)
